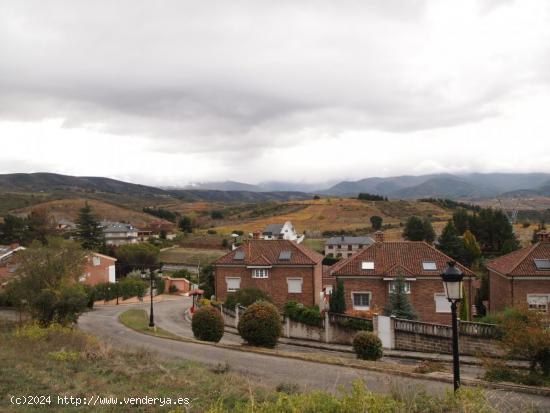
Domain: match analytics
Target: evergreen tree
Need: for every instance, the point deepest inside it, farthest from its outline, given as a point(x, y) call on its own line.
point(186, 224)
point(464, 306)
point(461, 220)
point(337, 303)
point(88, 230)
point(399, 304)
point(376, 222)
point(419, 230)
point(13, 229)
point(450, 243)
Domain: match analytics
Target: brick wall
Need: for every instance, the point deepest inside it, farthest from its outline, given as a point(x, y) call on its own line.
point(499, 292)
point(276, 284)
point(468, 345)
point(524, 287)
point(96, 274)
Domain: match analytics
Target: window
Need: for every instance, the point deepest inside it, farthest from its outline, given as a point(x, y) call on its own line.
point(361, 301)
point(260, 273)
point(538, 302)
point(350, 254)
point(350, 247)
point(406, 287)
point(294, 285)
point(331, 247)
point(542, 264)
point(339, 247)
point(233, 283)
point(96, 261)
point(367, 265)
point(442, 305)
point(429, 266)
point(339, 255)
point(285, 255)
point(239, 255)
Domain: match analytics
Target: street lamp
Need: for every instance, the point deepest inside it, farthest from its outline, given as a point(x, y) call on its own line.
point(452, 281)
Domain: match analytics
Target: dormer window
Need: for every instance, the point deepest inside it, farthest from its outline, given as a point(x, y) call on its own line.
point(429, 266)
point(542, 264)
point(367, 265)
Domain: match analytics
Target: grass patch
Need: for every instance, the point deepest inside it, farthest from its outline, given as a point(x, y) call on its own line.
point(191, 256)
point(139, 320)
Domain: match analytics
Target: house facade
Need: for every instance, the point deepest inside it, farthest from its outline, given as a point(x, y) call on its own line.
point(345, 246)
point(369, 278)
point(118, 233)
point(282, 268)
point(284, 231)
point(98, 269)
point(522, 278)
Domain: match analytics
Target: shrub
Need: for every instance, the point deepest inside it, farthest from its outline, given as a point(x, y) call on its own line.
point(307, 315)
point(161, 285)
point(207, 324)
point(260, 324)
point(131, 288)
point(173, 289)
point(367, 346)
point(246, 297)
point(211, 231)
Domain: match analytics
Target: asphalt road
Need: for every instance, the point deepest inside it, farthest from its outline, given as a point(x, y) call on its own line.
point(270, 370)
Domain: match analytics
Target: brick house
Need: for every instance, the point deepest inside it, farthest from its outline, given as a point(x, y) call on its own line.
point(282, 268)
point(521, 278)
point(98, 269)
point(369, 276)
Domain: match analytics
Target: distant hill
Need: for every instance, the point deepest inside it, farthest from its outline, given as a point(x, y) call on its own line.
point(475, 185)
point(125, 193)
point(224, 186)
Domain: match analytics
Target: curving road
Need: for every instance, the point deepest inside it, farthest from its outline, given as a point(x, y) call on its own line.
point(270, 370)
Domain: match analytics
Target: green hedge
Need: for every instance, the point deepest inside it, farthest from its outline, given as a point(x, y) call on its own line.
point(125, 288)
point(306, 315)
point(246, 297)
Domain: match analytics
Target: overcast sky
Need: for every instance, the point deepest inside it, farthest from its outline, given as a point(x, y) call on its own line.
point(180, 91)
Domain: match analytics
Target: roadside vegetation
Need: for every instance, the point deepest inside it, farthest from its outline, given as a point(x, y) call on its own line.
point(62, 361)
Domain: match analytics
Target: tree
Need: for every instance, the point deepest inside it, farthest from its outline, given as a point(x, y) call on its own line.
point(137, 257)
point(13, 229)
point(399, 304)
point(216, 214)
point(186, 224)
point(89, 231)
point(493, 231)
point(337, 303)
point(207, 280)
point(47, 281)
point(472, 250)
point(461, 220)
point(450, 243)
point(376, 222)
point(39, 226)
point(419, 230)
point(464, 306)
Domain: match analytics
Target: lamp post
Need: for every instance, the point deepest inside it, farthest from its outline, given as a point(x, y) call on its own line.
point(452, 281)
point(144, 276)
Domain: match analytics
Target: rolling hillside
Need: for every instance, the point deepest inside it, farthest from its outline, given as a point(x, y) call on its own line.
point(68, 209)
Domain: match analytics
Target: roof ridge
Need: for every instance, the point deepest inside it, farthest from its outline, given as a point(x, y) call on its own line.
point(400, 264)
point(338, 266)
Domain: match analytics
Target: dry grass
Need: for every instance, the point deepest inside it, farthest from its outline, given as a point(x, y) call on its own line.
point(191, 256)
point(68, 209)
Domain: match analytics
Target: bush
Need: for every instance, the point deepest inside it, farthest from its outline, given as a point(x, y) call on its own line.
point(207, 324)
point(246, 297)
point(367, 346)
point(161, 285)
point(173, 289)
point(307, 315)
point(260, 325)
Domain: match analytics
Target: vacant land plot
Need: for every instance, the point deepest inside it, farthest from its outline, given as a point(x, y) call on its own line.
point(191, 256)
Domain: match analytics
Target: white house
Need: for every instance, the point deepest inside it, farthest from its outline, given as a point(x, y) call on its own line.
point(118, 233)
point(281, 231)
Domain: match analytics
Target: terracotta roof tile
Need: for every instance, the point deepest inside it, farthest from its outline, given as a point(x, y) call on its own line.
point(522, 262)
point(393, 258)
point(267, 252)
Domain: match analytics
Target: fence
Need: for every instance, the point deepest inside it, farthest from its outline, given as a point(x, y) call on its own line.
point(439, 330)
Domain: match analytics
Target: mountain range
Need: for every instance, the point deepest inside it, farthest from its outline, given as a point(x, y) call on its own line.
point(464, 186)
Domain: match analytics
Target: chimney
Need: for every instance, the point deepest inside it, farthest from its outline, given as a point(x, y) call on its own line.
point(543, 236)
point(379, 236)
point(256, 235)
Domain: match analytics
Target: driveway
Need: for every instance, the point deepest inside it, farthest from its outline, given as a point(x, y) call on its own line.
point(266, 369)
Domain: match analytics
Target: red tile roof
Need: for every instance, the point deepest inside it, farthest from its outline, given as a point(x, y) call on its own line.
point(521, 262)
point(396, 258)
point(267, 252)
